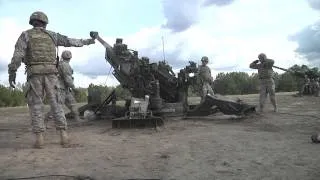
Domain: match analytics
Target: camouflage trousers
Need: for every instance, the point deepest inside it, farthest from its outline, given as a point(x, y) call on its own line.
point(206, 89)
point(38, 87)
point(68, 100)
point(305, 89)
point(316, 90)
point(267, 86)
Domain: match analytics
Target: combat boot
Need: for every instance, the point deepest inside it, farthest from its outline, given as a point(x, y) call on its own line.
point(64, 139)
point(275, 109)
point(39, 141)
point(76, 117)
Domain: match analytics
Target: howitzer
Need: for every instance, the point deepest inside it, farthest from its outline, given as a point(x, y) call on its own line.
point(138, 75)
point(296, 73)
point(283, 69)
point(166, 92)
point(311, 73)
point(307, 80)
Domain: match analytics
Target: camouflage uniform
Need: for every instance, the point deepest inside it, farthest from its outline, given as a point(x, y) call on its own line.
point(205, 78)
point(267, 85)
point(66, 86)
point(316, 87)
point(36, 48)
point(305, 87)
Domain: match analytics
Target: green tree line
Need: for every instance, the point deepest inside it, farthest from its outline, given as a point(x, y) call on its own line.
point(225, 84)
point(17, 97)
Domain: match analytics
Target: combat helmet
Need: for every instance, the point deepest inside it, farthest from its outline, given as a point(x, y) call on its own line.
point(66, 54)
point(204, 59)
point(262, 56)
point(40, 16)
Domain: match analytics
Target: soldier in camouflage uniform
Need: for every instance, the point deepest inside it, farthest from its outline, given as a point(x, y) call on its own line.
point(205, 78)
point(66, 86)
point(36, 48)
point(265, 73)
point(316, 87)
point(312, 86)
point(305, 87)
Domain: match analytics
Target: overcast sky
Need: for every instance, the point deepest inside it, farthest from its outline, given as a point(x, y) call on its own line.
point(230, 32)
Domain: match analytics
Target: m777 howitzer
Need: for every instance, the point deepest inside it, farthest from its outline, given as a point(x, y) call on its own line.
point(296, 73)
point(308, 81)
point(156, 91)
point(303, 73)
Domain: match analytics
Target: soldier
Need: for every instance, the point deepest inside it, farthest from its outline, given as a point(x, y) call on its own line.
point(305, 87)
point(36, 48)
point(312, 86)
point(267, 85)
point(66, 86)
point(205, 78)
point(316, 87)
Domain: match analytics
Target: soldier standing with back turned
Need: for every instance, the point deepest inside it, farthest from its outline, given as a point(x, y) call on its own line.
point(267, 85)
point(205, 78)
point(36, 48)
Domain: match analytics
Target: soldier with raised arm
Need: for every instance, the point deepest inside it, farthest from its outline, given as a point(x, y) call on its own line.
point(267, 86)
point(36, 48)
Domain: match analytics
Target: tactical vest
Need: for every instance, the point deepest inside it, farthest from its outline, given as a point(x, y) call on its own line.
point(266, 71)
point(205, 74)
point(41, 53)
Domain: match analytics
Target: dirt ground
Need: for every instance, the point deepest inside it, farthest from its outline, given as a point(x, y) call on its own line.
point(267, 146)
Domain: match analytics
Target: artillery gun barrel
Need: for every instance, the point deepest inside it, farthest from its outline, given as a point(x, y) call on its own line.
point(109, 50)
point(95, 35)
point(283, 69)
point(295, 73)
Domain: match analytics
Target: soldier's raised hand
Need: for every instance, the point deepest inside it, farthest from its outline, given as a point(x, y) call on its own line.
point(256, 61)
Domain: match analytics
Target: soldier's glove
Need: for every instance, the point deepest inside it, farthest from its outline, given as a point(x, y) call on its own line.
point(89, 41)
point(94, 34)
point(12, 79)
point(256, 61)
